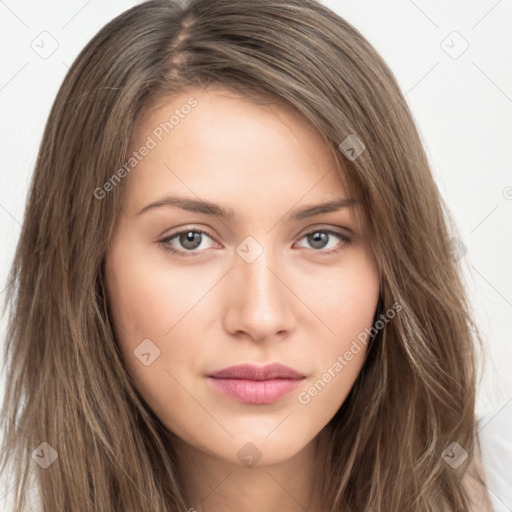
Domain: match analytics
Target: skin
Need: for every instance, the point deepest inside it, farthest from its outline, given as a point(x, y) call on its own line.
point(293, 304)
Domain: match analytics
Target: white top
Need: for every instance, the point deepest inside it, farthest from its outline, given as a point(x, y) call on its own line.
point(495, 435)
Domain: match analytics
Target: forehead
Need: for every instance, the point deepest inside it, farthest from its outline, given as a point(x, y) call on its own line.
point(215, 143)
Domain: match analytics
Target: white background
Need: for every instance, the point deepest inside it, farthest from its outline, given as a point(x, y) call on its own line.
point(462, 107)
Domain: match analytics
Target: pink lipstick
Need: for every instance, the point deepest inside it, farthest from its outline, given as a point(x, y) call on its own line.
point(257, 385)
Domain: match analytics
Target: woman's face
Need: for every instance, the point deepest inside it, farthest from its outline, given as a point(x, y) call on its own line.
point(273, 281)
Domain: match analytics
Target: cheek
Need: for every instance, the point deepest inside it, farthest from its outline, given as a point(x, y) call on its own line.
point(147, 299)
point(350, 301)
point(350, 307)
point(149, 305)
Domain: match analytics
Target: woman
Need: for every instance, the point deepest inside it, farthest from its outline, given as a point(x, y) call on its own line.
point(236, 279)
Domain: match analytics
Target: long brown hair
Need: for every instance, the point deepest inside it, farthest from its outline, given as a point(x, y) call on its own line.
point(67, 385)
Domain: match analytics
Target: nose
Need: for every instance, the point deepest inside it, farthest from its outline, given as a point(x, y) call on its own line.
point(260, 302)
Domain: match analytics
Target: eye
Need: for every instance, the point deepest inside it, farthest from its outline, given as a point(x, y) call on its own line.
point(190, 240)
point(321, 238)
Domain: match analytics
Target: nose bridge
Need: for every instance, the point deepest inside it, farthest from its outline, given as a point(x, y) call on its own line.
point(261, 283)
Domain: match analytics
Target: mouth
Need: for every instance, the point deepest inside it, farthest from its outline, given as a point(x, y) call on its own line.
point(256, 385)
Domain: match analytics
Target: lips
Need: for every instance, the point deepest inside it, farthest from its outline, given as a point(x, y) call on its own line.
point(256, 385)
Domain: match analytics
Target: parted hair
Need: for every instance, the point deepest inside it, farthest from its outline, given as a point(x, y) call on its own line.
point(66, 382)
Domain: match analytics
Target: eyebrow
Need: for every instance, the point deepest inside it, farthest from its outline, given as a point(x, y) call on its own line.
point(208, 208)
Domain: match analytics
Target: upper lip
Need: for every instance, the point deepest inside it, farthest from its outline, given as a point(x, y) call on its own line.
point(254, 372)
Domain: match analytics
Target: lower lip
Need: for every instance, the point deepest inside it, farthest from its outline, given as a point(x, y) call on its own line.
point(257, 392)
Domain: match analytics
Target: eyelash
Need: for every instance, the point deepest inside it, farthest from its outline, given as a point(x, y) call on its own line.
point(165, 242)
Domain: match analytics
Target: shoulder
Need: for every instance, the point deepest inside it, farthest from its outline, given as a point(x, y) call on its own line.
point(495, 446)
